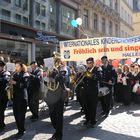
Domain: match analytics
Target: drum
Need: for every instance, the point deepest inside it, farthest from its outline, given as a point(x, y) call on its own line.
point(103, 91)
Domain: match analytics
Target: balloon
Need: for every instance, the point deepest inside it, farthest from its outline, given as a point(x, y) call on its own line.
point(133, 59)
point(98, 62)
point(79, 21)
point(138, 61)
point(115, 63)
point(74, 23)
point(128, 62)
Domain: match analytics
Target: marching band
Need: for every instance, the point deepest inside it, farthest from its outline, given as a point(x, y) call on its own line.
point(90, 83)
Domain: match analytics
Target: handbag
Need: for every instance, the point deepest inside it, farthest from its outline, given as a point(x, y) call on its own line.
point(103, 91)
point(136, 88)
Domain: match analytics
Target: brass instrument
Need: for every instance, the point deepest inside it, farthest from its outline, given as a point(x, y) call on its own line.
point(87, 74)
point(51, 83)
point(9, 87)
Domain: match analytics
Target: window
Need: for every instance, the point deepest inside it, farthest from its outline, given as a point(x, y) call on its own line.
point(6, 14)
point(18, 18)
point(43, 26)
point(25, 5)
point(37, 23)
point(67, 14)
point(18, 3)
point(52, 16)
point(9, 1)
point(103, 26)
point(110, 3)
point(37, 8)
point(116, 5)
point(110, 27)
point(95, 22)
point(43, 10)
point(85, 20)
point(116, 30)
point(25, 20)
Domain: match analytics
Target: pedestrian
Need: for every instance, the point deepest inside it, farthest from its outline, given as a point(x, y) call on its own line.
point(91, 81)
point(34, 90)
point(127, 88)
point(136, 79)
point(119, 86)
point(20, 96)
point(4, 79)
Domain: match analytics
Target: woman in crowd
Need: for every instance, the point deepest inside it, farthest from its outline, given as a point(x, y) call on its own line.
point(126, 80)
point(136, 79)
point(20, 82)
point(119, 86)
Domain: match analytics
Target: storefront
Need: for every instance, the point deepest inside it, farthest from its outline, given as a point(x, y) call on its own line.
point(22, 43)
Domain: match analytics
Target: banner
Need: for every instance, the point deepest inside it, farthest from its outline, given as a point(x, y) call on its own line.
point(112, 47)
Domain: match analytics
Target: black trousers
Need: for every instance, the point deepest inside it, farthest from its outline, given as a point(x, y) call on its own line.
point(90, 106)
point(56, 116)
point(126, 94)
point(3, 105)
point(19, 109)
point(105, 103)
point(33, 102)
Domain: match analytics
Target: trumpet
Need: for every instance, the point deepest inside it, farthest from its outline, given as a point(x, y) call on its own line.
point(87, 74)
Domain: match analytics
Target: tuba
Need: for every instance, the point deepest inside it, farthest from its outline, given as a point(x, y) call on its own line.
point(51, 83)
point(9, 87)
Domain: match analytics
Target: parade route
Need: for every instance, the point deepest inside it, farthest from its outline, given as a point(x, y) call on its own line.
point(123, 123)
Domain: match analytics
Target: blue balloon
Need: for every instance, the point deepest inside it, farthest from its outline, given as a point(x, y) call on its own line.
point(74, 23)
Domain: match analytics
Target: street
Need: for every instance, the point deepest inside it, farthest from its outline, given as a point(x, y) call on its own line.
point(123, 123)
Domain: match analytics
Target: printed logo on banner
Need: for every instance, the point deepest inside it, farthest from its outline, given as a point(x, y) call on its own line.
point(67, 54)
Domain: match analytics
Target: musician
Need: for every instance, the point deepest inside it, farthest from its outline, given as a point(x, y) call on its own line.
point(4, 78)
point(34, 90)
point(108, 78)
point(91, 92)
point(20, 96)
point(55, 101)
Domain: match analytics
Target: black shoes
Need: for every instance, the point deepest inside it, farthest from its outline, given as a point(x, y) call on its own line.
point(19, 134)
point(33, 118)
point(89, 124)
point(56, 137)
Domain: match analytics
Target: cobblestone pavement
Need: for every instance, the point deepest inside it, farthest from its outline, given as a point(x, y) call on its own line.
point(123, 123)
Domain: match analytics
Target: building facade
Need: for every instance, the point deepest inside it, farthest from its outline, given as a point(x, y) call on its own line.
point(100, 18)
point(126, 14)
point(136, 17)
point(32, 29)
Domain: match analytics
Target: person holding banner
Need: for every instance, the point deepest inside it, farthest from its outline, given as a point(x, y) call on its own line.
point(91, 80)
point(108, 78)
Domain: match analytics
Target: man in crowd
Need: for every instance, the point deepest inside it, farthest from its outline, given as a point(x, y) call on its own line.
point(4, 77)
point(108, 78)
point(34, 90)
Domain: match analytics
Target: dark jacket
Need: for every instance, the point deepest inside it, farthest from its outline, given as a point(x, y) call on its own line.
point(91, 83)
point(20, 88)
point(4, 78)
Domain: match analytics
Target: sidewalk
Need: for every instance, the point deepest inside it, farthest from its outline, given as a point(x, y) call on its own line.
point(122, 124)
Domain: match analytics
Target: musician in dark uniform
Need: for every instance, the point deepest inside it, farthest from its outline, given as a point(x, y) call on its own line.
point(91, 82)
point(4, 77)
point(20, 96)
point(34, 90)
point(108, 78)
point(55, 96)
